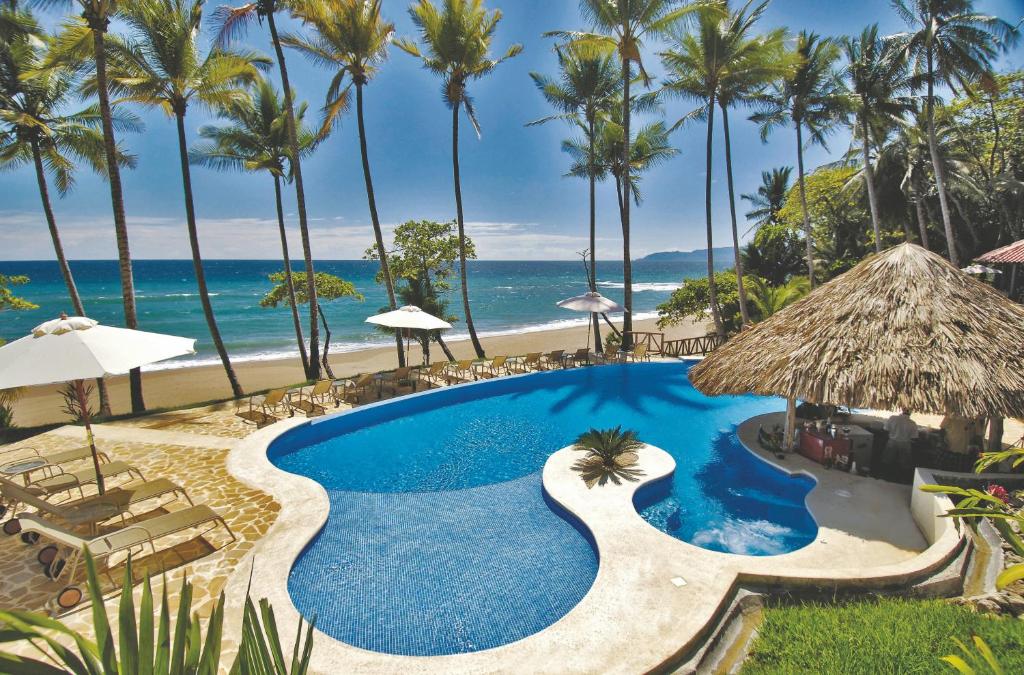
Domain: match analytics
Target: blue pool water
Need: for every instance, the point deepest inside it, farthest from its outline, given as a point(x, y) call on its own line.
point(440, 538)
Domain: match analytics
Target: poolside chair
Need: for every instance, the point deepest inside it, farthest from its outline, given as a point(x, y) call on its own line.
point(399, 379)
point(526, 364)
point(314, 400)
point(90, 510)
point(352, 389)
point(491, 368)
point(137, 535)
point(639, 353)
point(51, 458)
point(552, 359)
point(75, 480)
point(263, 410)
point(461, 371)
point(580, 358)
point(434, 374)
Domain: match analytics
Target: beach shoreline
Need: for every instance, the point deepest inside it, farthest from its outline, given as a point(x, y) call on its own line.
point(175, 387)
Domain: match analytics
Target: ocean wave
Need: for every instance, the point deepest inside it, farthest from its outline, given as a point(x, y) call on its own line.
point(639, 288)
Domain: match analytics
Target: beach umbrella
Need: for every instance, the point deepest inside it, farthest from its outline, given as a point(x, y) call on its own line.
point(409, 317)
point(591, 302)
point(75, 349)
point(979, 269)
point(904, 329)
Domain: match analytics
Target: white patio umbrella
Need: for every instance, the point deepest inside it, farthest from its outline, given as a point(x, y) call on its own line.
point(77, 348)
point(409, 317)
point(979, 269)
point(591, 302)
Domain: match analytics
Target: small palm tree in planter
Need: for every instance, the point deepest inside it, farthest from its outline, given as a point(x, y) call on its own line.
point(611, 456)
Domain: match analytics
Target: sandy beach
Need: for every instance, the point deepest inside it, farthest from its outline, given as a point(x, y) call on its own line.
point(181, 386)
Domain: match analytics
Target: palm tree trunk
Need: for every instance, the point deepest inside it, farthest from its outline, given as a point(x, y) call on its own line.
point(716, 314)
point(288, 275)
point(444, 347)
point(922, 221)
point(869, 178)
point(377, 234)
point(741, 289)
point(197, 261)
point(327, 342)
point(62, 261)
point(627, 263)
point(462, 233)
point(803, 203)
point(598, 347)
point(300, 195)
point(940, 180)
point(98, 25)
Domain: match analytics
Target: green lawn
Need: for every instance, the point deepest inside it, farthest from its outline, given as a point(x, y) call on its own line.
point(876, 636)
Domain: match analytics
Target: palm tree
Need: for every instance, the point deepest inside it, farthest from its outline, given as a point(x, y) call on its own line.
point(721, 63)
point(97, 15)
point(165, 69)
point(877, 72)
point(587, 84)
point(949, 44)
point(350, 35)
point(233, 22)
point(611, 455)
point(257, 140)
point(767, 299)
point(810, 97)
point(38, 131)
point(620, 27)
point(456, 47)
point(770, 196)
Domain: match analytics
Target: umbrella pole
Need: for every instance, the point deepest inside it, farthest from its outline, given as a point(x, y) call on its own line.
point(83, 405)
point(787, 438)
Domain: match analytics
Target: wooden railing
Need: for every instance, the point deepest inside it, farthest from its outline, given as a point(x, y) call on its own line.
point(653, 341)
point(704, 344)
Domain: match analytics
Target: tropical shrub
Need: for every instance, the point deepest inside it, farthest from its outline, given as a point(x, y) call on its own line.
point(693, 299)
point(179, 651)
point(611, 455)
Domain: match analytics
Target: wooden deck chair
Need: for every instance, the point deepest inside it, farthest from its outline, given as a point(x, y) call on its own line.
point(552, 359)
point(135, 536)
point(460, 371)
point(491, 368)
point(352, 389)
point(399, 379)
point(434, 375)
point(74, 480)
point(90, 510)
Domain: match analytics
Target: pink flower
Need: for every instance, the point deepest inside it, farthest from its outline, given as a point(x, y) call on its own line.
point(999, 492)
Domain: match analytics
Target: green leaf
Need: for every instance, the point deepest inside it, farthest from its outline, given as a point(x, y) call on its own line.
point(104, 638)
point(181, 627)
point(959, 664)
point(1009, 576)
point(146, 650)
point(162, 661)
point(128, 641)
point(986, 653)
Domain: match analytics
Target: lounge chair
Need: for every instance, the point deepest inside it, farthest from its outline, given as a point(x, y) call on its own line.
point(580, 358)
point(526, 364)
point(134, 536)
point(399, 379)
point(460, 371)
point(352, 389)
point(314, 400)
point(434, 374)
point(491, 368)
point(90, 510)
point(26, 453)
point(263, 410)
point(553, 359)
point(75, 480)
point(639, 353)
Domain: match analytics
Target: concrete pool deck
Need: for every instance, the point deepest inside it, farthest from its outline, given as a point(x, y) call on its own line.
point(655, 598)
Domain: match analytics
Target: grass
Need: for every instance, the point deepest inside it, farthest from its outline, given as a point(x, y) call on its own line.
point(889, 635)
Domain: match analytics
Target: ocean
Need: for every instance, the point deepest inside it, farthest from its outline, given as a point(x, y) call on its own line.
point(507, 297)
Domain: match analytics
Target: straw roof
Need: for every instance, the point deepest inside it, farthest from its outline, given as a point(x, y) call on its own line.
point(903, 329)
point(1011, 253)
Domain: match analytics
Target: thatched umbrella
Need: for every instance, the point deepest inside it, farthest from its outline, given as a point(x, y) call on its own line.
point(904, 329)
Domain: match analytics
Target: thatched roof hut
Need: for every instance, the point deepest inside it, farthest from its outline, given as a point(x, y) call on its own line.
point(903, 329)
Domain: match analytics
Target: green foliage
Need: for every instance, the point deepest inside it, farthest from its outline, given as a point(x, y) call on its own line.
point(611, 455)
point(692, 299)
point(770, 196)
point(883, 636)
point(7, 298)
point(765, 299)
point(776, 253)
point(424, 247)
point(976, 659)
point(181, 650)
point(328, 287)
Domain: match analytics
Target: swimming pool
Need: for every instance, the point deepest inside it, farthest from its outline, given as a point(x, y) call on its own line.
point(440, 538)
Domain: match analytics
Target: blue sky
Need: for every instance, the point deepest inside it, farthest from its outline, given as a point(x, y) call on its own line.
point(518, 205)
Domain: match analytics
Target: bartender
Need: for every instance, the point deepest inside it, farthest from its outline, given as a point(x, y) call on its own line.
point(902, 432)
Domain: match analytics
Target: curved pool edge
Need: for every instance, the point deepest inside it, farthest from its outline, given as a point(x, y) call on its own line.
point(634, 614)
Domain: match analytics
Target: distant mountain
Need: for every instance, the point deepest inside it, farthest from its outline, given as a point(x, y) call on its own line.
point(700, 255)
